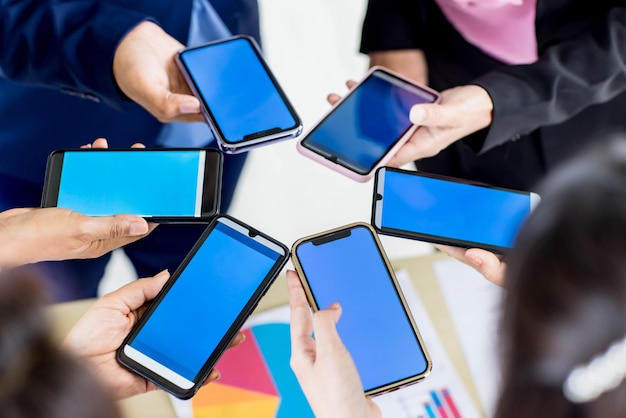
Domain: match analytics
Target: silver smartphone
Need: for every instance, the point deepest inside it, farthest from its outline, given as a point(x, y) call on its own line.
point(241, 99)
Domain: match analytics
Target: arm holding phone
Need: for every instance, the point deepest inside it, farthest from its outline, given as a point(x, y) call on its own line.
point(323, 365)
point(139, 51)
point(99, 333)
point(30, 235)
point(145, 70)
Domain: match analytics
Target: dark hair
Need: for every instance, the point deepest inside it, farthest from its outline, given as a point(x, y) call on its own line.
point(37, 378)
point(566, 289)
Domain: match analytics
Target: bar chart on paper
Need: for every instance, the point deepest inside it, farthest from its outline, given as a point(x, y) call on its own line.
point(439, 404)
point(441, 394)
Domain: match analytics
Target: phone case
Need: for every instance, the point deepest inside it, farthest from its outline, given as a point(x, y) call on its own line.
point(235, 327)
point(432, 238)
point(53, 169)
point(313, 304)
point(241, 146)
point(361, 178)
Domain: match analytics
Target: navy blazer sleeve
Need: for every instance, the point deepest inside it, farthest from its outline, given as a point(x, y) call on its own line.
point(568, 77)
point(64, 44)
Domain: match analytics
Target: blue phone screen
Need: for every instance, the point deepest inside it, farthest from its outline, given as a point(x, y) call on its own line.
point(143, 183)
point(203, 303)
point(444, 208)
point(237, 90)
point(360, 131)
point(374, 325)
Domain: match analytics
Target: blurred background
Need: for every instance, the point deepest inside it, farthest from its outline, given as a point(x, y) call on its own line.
point(312, 49)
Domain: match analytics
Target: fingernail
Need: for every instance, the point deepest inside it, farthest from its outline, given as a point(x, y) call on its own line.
point(162, 273)
point(138, 228)
point(334, 306)
point(417, 115)
point(475, 260)
point(217, 375)
point(189, 107)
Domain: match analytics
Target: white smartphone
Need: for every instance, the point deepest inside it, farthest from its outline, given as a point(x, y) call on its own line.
point(204, 304)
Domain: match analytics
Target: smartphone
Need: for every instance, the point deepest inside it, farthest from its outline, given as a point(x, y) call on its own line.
point(348, 265)
point(162, 185)
point(204, 304)
point(449, 211)
point(368, 126)
point(240, 97)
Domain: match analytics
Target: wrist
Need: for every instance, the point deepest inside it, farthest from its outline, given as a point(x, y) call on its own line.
point(5, 249)
point(480, 106)
point(11, 253)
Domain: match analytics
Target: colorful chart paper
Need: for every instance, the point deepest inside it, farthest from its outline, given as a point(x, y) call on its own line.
point(256, 380)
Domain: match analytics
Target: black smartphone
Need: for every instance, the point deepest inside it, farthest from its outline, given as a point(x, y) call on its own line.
point(445, 210)
point(348, 265)
point(204, 304)
point(162, 185)
point(242, 102)
point(367, 127)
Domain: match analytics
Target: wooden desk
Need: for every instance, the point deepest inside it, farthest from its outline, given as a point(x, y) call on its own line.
point(157, 404)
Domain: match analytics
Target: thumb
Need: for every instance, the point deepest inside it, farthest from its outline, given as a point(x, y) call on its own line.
point(184, 104)
point(135, 294)
point(429, 115)
point(488, 264)
point(118, 226)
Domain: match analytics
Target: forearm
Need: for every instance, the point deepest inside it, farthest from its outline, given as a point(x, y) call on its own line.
point(567, 78)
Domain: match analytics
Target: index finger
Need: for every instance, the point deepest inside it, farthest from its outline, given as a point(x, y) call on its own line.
point(301, 320)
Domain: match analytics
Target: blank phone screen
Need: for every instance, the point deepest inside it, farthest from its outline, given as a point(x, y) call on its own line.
point(443, 208)
point(205, 300)
point(237, 90)
point(374, 326)
point(360, 131)
point(143, 183)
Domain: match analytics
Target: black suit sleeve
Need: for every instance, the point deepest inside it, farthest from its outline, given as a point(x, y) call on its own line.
point(391, 25)
point(67, 45)
point(567, 78)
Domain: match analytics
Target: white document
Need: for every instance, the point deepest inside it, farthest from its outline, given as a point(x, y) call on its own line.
point(474, 306)
point(410, 402)
point(417, 400)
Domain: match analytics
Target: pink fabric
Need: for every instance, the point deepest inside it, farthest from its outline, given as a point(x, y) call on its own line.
point(504, 29)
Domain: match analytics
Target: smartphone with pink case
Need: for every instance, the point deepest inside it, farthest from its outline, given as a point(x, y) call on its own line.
point(368, 126)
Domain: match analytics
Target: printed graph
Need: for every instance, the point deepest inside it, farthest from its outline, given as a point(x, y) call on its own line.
point(438, 404)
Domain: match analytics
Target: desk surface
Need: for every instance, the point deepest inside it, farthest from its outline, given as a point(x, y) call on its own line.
point(157, 404)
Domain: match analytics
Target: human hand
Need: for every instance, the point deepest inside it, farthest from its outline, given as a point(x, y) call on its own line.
point(460, 112)
point(100, 332)
point(145, 69)
point(334, 98)
point(53, 234)
point(102, 143)
point(486, 263)
point(323, 365)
